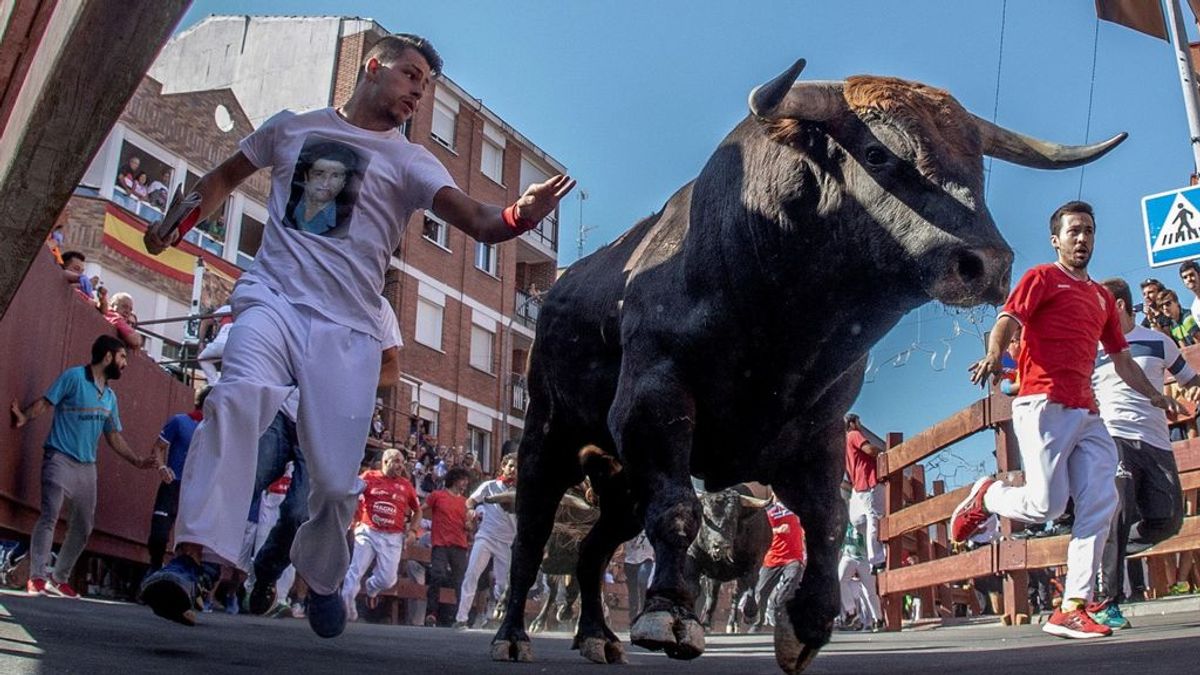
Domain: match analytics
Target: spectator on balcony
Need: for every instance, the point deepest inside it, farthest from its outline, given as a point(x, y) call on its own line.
point(73, 272)
point(1148, 487)
point(159, 191)
point(85, 407)
point(1189, 273)
point(493, 539)
point(866, 499)
point(169, 452)
point(1149, 305)
point(447, 511)
point(1065, 449)
point(120, 315)
point(387, 509)
point(127, 174)
point(1173, 321)
point(141, 187)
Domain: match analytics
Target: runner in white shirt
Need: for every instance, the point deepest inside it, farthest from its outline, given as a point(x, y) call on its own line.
point(493, 539)
point(344, 184)
point(1147, 477)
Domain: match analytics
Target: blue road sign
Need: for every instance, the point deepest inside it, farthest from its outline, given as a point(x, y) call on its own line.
point(1172, 222)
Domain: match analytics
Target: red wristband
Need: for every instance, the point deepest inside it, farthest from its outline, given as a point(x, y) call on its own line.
point(514, 222)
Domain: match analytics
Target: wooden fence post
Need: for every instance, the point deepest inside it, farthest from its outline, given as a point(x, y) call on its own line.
point(893, 603)
point(1016, 582)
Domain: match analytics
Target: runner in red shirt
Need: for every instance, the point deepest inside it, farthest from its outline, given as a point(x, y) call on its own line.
point(866, 499)
point(1065, 449)
point(386, 504)
point(783, 562)
point(447, 510)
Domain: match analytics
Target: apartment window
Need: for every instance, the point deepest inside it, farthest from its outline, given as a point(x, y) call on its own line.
point(445, 117)
point(492, 159)
point(429, 324)
point(482, 341)
point(143, 183)
point(209, 234)
point(485, 257)
point(436, 230)
point(249, 239)
point(480, 442)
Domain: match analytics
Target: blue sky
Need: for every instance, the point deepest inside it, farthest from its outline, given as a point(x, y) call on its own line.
point(633, 97)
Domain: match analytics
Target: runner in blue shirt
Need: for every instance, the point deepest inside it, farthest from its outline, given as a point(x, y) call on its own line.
point(170, 451)
point(84, 407)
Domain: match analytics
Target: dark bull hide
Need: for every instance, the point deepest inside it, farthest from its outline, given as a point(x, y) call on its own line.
point(734, 536)
point(725, 336)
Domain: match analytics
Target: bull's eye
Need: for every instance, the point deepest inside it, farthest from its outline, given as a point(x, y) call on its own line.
point(877, 157)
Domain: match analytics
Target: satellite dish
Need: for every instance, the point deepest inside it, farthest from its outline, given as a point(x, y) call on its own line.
point(223, 119)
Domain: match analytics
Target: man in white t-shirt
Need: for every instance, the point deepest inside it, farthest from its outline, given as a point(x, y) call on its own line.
point(493, 538)
point(1189, 273)
point(1147, 479)
point(309, 315)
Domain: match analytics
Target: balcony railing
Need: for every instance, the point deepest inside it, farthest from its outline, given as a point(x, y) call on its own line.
point(546, 233)
point(520, 392)
point(528, 308)
point(139, 208)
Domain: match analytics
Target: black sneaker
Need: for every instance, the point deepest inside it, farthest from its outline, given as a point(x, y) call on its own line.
point(326, 614)
point(172, 591)
point(262, 597)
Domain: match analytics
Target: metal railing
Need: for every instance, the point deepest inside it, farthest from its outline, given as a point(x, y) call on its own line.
point(546, 233)
point(528, 308)
point(520, 392)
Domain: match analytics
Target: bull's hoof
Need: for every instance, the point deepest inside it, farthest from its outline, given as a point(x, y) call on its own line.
point(517, 650)
point(792, 655)
point(681, 637)
point(599, 650)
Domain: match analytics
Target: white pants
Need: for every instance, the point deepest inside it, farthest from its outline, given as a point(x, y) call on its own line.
point(382, 548)
point(865, 510)
point(862, 589)
point(1065, 453)
point(275, 346)
point(483, 551)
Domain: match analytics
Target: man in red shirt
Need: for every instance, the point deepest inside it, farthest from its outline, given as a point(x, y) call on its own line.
point(783, 562)
point(1065, 449)
point(387, 501)
point(866, 497)
point(447, 510)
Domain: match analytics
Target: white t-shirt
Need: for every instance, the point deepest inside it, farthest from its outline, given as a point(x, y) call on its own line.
point(497, 525)
point(1126, 413)
point(340, 199)
point(1195, 309)
point(638, 550)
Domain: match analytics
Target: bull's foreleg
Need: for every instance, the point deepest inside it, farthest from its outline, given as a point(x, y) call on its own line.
point(653, 421)
point(710, 590)
point(546, 467)
point(809, 604)
point(548, 602)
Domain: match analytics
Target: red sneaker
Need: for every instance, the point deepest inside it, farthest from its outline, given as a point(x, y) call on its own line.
point(1078, 625)
point(970, 515)
point(36, 586)
point(62, 589)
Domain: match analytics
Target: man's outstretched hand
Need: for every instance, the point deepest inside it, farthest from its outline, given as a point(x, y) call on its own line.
point(155, 245)
point(540, 199)
point(987, 366)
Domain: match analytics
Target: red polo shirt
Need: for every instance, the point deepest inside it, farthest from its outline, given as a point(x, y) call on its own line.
point(449, 519)
point(1063, 318)
point(859, 465)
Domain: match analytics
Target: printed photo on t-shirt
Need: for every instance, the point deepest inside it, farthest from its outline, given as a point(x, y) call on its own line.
point(325, 186)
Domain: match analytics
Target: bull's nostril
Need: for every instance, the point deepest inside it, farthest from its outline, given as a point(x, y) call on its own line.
point(970, 267)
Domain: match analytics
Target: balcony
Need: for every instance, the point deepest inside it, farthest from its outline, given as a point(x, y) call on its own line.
point(137, 207)
point(520, 392)
point(545, 235)
point(527, 309)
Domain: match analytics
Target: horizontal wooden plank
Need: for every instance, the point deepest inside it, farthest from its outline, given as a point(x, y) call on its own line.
point(1189, 481)
point(922, 514)
point(964, 423)
point(976, 563)
point(1046, 551)
point(1187, 454)
point(1187, 539)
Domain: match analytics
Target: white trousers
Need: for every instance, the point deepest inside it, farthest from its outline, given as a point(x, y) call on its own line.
point(861, 589)
point(866, 508)
point(275, 346)
point(1065, 453)
point(268, 515)
point(483, 551)
point(382, 548)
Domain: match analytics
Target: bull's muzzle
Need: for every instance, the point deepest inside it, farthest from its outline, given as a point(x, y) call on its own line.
point(974, 276)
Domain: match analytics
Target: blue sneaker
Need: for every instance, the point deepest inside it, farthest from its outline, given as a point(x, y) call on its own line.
point(1109, 614)
point(172, 591)
point(326, 614)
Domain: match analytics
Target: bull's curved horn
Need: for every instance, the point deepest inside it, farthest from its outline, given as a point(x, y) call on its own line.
point(1011, 146)
point(573, 502)
point(783, 97)
point(752, 502)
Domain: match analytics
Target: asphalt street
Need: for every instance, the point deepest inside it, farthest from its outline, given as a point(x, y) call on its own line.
point(55, 635)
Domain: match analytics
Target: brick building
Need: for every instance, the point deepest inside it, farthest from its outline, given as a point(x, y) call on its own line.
point(467, 310)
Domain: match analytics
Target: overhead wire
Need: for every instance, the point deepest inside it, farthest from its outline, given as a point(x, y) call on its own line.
point(1087, 127)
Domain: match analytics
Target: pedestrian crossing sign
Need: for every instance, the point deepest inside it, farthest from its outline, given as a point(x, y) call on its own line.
point(1172, 222)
